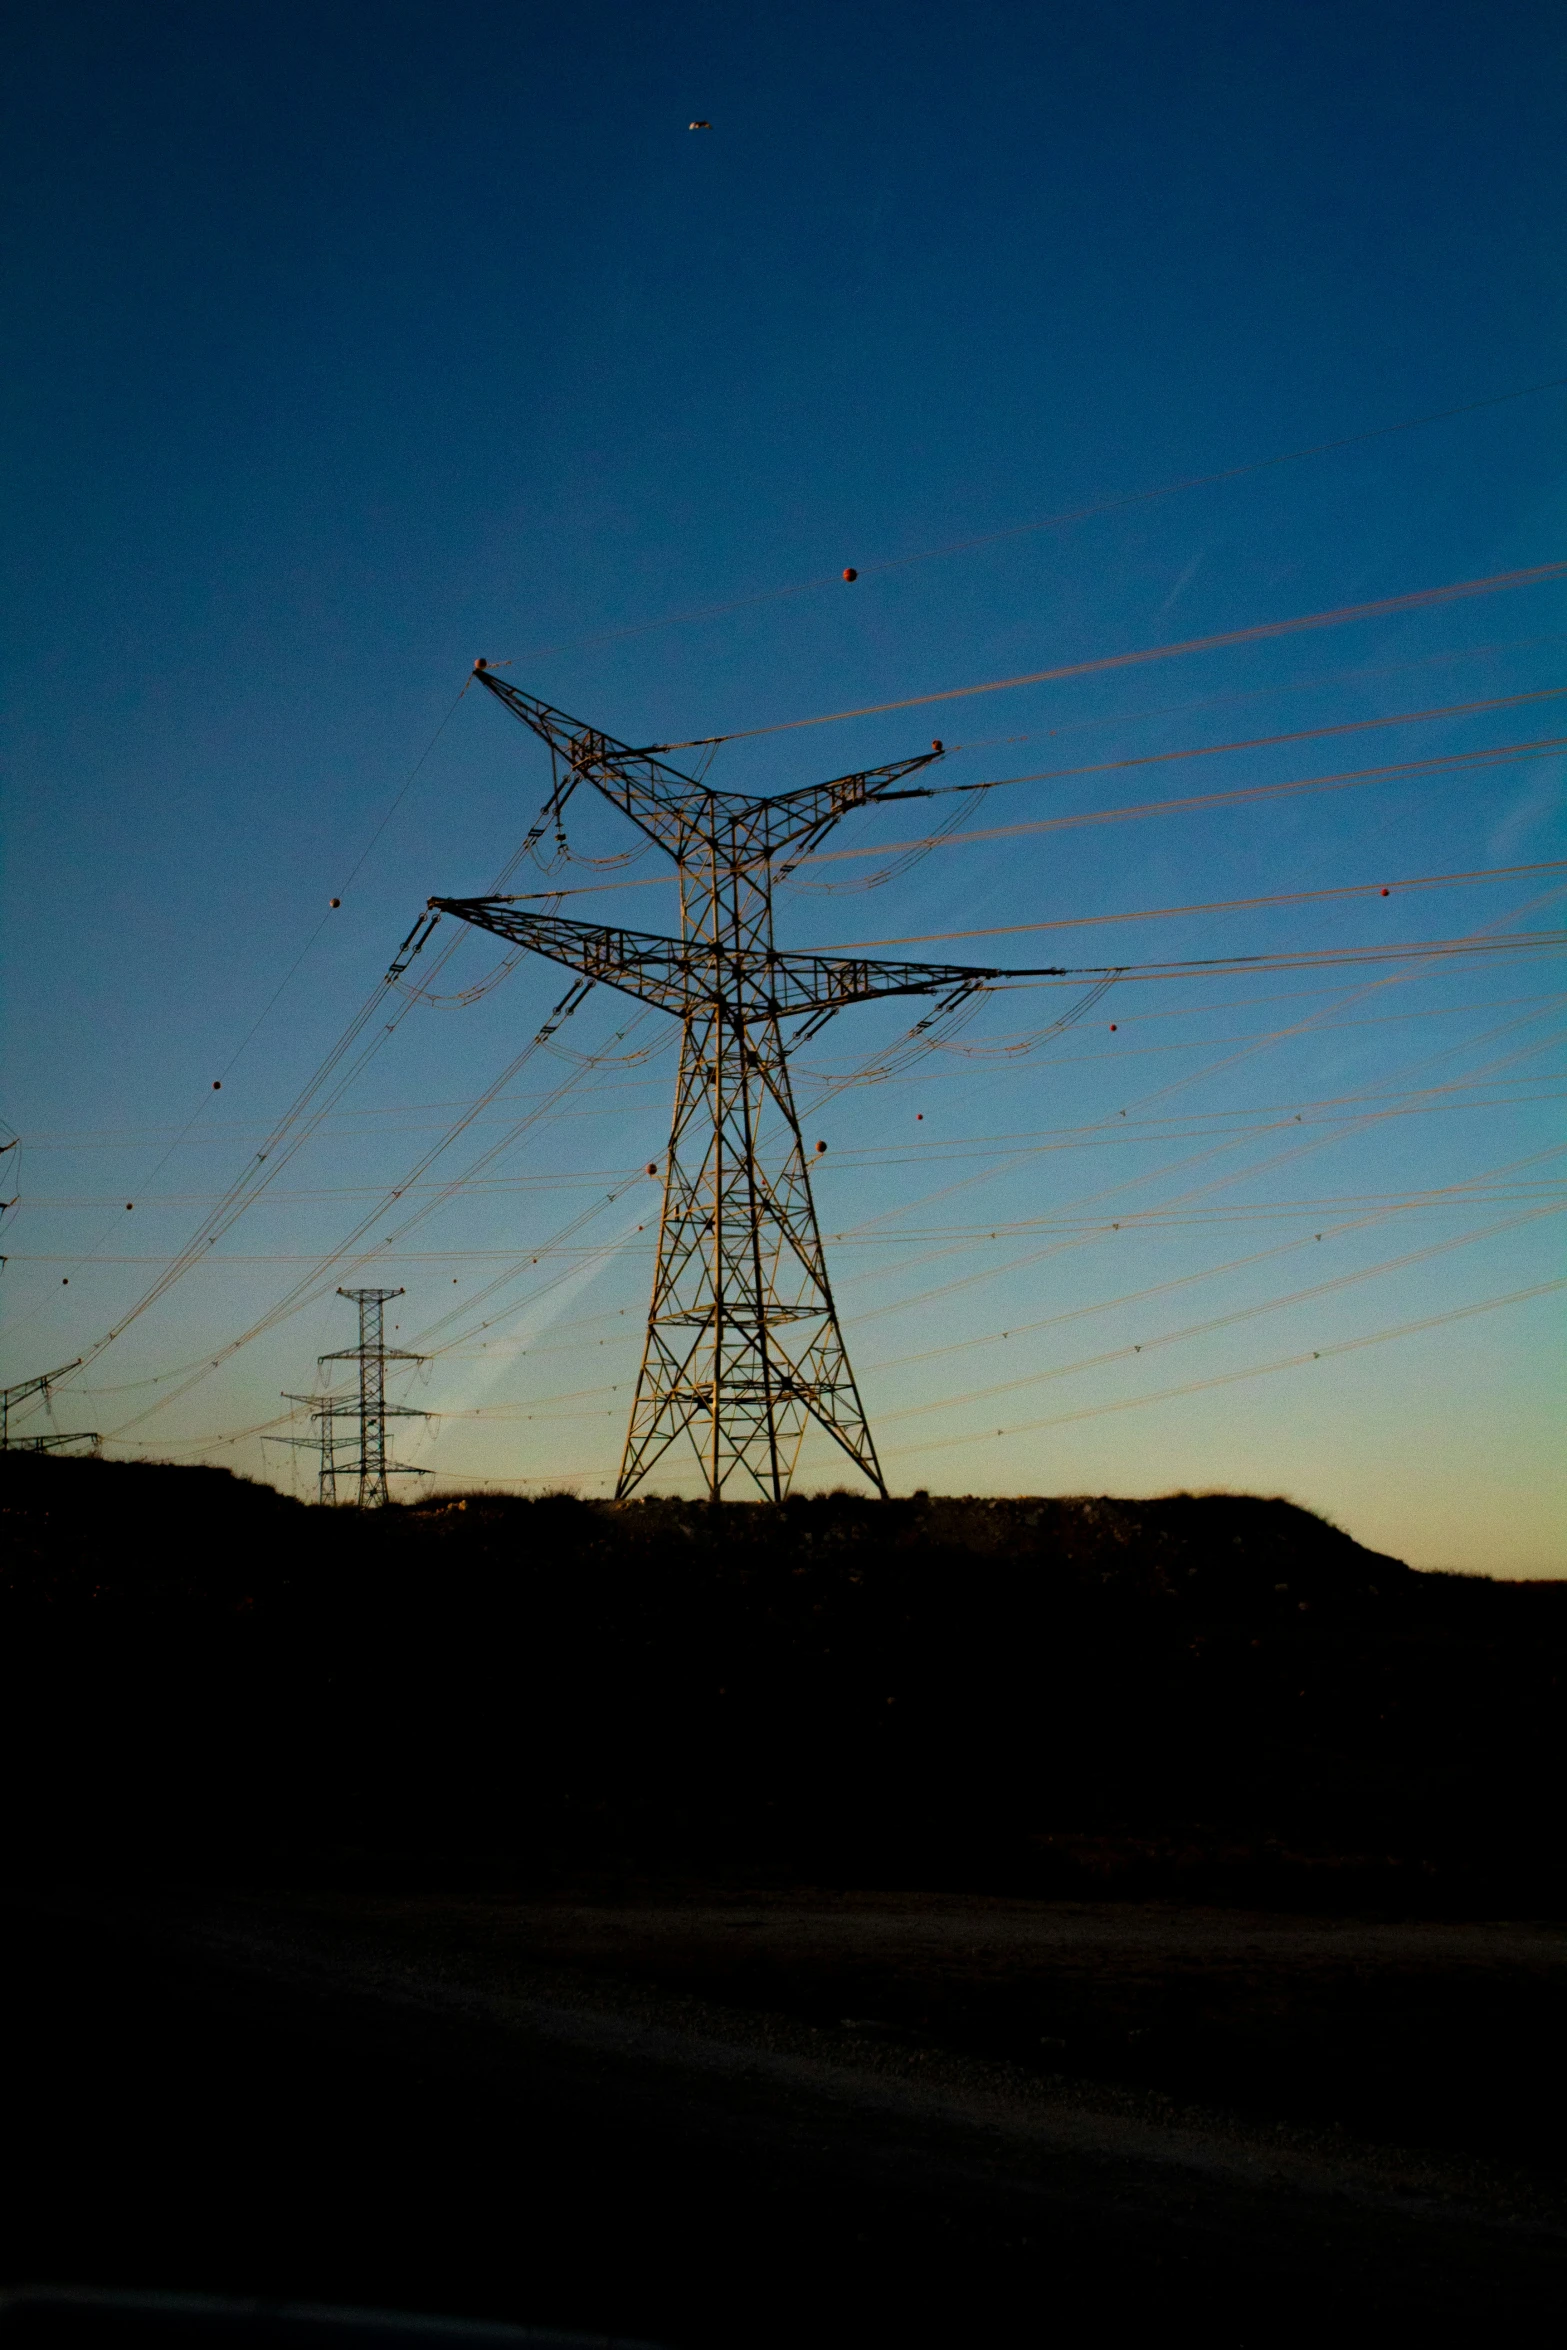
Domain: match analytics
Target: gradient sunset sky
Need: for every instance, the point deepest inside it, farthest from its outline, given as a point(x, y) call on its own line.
point(351, 343)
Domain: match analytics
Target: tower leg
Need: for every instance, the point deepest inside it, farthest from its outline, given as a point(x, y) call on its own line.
point(743, 1351)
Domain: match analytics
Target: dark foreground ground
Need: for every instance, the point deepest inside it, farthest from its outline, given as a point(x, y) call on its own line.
point(1200, 1696)
point(647, 2119)
point(575, 1978)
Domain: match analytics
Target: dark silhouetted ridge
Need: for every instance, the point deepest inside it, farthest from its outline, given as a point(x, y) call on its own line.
point(1213, 1694)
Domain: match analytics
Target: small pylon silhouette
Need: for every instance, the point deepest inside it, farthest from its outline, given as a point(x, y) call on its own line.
point(372, 1354)
point(326, 1411)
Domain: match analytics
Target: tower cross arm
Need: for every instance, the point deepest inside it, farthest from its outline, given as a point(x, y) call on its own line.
point(661, 971)
point(656, 797)
point(678, 976)
point(351, 1408)
point(799, 819)
point(388, 1354)
point(672, 808)
point(38, 1385)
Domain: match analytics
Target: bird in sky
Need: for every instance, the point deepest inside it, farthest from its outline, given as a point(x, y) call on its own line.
point(699, 126)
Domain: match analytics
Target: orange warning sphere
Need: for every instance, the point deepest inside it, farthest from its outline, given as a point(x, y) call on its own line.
point(1112, 1028)
point(217, 1085)
point(481, 663)
point(1384, 893)
point(821, 1146)
point(334, 901)
point(938, 745)
point(652, 1166)
point(851, 573)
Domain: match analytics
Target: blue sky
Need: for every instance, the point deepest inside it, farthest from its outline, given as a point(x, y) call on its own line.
point(352, 343)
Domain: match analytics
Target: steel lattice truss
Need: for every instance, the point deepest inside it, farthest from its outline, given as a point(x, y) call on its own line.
point(372, 1411)
point(51, 1439)
point(326, 1411)
point(744, 1353)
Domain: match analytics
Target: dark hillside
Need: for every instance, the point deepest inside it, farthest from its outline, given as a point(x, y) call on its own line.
point(1216, 1695)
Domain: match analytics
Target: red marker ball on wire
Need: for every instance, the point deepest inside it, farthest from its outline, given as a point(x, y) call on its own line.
point(851, 573)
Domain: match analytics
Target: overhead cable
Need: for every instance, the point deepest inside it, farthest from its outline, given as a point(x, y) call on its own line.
point(1181, 1084)
point(1345, 779)
point(1293, 897)
point(1272, 1305)
point(1449, 1195)
point(1256, 742)
point(1115, 503)
point(1340, 616)
point(327, 1268)
point(1316, 1354)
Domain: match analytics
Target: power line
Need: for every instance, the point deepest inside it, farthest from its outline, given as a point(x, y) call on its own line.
point(548, 1248)
point(542, 1406)
point(1318, 1289)
point(1115, 503)
point(1319, 1354)
point(414, 772)
point(949, 838)
point(93, 1253)
point(1452, 1195)
point(305, 1114)
point(1282, 959)
point(1221, 1144)
point(1097, 767)
point(1257, 742)
point(1293, 897)
point(1347, 779)
point(1383, 607)
point(1082, 1231)
point(466, 1336)
point(100, 1138)
point(1475, 944)
point(315, 1284)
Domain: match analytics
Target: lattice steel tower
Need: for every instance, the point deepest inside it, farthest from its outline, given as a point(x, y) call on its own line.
point(325, 1413)
point(743, 1351)
point(52, 1439)
point(372, 1354)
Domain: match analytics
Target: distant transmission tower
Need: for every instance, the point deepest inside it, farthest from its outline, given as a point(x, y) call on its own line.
point(53, 1439)
point(372, 1411)
point(743, 1352)
point(325, 1412)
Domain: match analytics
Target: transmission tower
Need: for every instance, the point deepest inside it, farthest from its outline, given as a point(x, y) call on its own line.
point(54, 1438)
point(372, 1410)
point(6, 1205)
point(743, 1351)
point(325, 1411)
